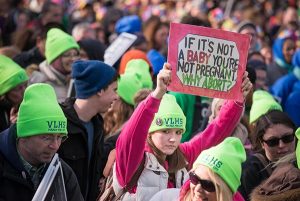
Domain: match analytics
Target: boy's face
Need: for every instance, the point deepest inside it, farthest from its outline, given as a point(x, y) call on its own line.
point(108, 96)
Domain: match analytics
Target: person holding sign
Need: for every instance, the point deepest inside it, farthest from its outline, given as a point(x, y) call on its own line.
point(27, 147)
point(154, 132)
point(215, 175)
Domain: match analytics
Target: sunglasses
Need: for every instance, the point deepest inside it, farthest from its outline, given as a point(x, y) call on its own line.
point(275, 141)
point(207, 185)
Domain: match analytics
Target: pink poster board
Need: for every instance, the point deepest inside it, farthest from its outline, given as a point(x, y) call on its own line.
point(207, 62)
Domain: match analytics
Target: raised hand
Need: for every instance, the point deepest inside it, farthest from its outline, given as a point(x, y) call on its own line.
point(246, 85)
point(163, 80)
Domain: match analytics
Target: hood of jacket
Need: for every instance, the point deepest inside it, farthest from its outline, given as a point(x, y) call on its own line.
point(76, 124)
point(8, 148)
point(53, 74)
point(283, 184)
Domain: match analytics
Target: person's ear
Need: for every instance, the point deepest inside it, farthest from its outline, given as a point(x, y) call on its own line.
point(100, 93)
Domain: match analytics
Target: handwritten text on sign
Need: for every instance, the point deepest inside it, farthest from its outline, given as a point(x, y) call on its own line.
point(207, 62)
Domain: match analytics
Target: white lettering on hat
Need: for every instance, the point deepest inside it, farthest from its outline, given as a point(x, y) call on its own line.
point(213, 162)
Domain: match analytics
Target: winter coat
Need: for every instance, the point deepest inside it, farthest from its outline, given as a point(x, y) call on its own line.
point(283, 184)
point(292, 107)
point(153, 179)
point(75, 152)
point(283, 87)
point(15, 182)
point(32, 56)
point(131, 144)
point(5, 108)
point(47, 74)
point(253, 173)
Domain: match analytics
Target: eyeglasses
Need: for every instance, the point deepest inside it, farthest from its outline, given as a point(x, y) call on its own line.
point(207, 185)
point(51, 138)
point(275, 141)
point(71, 54)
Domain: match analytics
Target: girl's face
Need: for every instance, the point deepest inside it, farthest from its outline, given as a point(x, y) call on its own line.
point(68, 58)
point(251, 32)
point(167, 140)
point(161, 36)
point(275, 148)
point(15, 95)
point(288, 50)
point(198, 192)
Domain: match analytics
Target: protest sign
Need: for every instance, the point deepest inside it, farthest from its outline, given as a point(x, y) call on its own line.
point(118, 47)
point(52, 187)
point(207, 62)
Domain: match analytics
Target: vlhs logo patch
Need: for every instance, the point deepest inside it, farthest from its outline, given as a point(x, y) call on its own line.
point(173, 122)
point(213, 162)
point(56, 126)
point(159, 122)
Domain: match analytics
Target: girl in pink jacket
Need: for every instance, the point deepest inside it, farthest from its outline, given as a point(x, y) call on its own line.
point(154, 132)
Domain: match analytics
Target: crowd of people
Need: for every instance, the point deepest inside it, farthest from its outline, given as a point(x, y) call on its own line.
point(118, 132)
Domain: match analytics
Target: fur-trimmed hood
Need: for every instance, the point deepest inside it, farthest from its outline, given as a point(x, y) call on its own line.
point(283, 184)
point(290, 195)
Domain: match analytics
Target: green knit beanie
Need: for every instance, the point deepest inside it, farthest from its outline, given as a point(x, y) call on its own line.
point(263, 102)
point(169, 115)
point(58, 42)
point(226, 160)
point(128, 85)
point(142, 69)
point(40, 112)
point(298, 147)
point(11, 74)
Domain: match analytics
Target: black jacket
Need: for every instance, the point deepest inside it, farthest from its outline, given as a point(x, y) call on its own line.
point(32, 56)
point(74, 151)
point(15, 182)
point(5, 108)
point(253, 173)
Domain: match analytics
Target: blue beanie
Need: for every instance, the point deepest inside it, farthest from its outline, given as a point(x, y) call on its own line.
point(129, 24)
point(157, 60)
point(90, 77)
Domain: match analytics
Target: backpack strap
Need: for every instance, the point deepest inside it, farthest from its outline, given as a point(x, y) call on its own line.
point(263, 160)
point(133, 180)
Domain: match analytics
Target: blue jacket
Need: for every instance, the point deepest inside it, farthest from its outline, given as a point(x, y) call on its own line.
point(283, 87)
point(292, 107)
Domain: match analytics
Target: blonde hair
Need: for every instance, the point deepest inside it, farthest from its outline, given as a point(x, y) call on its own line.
point(214, 108)
point(223, 192)
point(289, 158)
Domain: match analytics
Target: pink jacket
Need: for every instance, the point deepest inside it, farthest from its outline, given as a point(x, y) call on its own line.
point(131, 143)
